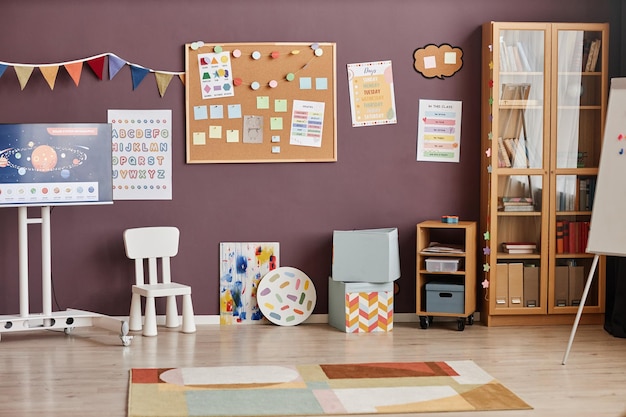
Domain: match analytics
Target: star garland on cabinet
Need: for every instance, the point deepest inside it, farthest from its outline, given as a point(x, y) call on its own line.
point(488, 152)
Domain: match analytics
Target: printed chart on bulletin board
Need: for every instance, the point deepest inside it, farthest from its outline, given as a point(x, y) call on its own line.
point(260, 102)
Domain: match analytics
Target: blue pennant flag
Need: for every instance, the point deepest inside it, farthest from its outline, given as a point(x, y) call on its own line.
point(2, 69)
point(138, 74)
point(115, 64)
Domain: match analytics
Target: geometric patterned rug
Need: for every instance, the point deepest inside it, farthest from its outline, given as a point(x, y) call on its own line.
point(333, 389)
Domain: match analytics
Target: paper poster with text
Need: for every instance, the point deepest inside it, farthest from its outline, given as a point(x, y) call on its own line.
point(307, 123)
point(439, 131)
point(372, 97)
point(142, 154)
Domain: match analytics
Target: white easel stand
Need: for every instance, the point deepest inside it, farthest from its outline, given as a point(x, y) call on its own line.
point(594, 264)
point(47, 319)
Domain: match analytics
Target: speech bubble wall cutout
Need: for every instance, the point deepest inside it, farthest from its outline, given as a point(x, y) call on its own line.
point(438, 61)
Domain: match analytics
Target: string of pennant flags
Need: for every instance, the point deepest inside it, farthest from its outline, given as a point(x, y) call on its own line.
point(96, 63)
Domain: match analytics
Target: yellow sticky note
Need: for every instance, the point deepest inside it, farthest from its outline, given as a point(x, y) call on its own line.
point(215, 132)
point(199, 138)
point(232, 136)
point(449, 58)
point(276, 123)
point(262, 102)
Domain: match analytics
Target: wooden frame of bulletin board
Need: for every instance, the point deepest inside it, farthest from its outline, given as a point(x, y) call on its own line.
point(260, 102)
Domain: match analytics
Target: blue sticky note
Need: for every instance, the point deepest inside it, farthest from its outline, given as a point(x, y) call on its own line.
point(200, 112)
point(217, 111)
point(305, 83)
point(321, 83)
point(234, 111)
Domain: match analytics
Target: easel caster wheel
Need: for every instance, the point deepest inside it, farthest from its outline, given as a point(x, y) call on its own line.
point(68, 330)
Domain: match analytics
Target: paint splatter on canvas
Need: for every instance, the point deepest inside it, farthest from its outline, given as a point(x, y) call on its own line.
point(242, 265)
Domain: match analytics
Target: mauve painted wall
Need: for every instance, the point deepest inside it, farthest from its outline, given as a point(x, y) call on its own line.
point(375, 183)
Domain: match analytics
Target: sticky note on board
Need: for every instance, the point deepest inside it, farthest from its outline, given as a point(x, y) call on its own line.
point(200, 113)
point(232, 136)
point(234, 111)
point(217, 111)
point(262, 102)
point(449, 58)
point(199, 138)
point(215, 132)
point(280, 105)
point(305, 83)
point(321, 83)
point(276, 123)
point(430, 62)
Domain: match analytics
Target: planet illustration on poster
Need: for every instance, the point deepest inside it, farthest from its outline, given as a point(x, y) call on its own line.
point(43, 158)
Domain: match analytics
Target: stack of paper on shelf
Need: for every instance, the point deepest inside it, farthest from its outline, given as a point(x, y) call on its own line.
point(517, 204)
point(519, 247)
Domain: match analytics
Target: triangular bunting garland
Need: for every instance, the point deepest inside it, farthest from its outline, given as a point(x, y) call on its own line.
point(23, 74)
point(115, 64)
point(138, 74)
point(163, 81)
point(97, 66)
point(50, 72)
point(75, 69)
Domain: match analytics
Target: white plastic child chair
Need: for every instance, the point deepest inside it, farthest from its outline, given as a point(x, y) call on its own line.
point(151, 244)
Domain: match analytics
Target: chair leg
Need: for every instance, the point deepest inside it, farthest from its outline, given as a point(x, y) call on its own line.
point(134, 320)
point(171, 312)
point(189, 321)
point(150, 325)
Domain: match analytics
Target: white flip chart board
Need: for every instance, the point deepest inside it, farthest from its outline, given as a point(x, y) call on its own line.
point(607, 234)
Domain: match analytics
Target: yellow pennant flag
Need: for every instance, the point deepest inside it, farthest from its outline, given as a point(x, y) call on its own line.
point(50, 74)
point(182, 78)
point(23, 74)
point(75, 70)
point(163, 81)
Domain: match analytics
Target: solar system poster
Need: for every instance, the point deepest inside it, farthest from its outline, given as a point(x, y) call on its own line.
point(55, 164)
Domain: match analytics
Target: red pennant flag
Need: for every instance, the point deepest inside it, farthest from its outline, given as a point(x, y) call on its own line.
point(97, 66)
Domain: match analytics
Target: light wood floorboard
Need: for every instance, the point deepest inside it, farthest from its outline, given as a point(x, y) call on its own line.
point(46, 373)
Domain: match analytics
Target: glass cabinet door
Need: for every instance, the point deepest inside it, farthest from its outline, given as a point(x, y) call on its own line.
point(520, 85)
point(579, 112)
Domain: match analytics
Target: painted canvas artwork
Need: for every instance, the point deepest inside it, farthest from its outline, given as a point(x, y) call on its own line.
point(242, 265)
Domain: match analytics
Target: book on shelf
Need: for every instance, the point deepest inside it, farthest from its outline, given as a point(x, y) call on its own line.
point(592, 56)
point(519, 247)
point(517, 152)
point(520, 208)
point(571, 236)
point(504, 161)
point(516, 204)
point(519, 251)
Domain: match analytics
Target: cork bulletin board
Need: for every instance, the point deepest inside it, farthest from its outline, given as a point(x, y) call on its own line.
point(260, 102)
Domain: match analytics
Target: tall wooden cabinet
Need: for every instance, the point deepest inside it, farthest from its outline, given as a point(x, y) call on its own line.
point(544, 98)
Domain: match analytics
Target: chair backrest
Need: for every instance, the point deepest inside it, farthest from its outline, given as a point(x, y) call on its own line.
point(152, 244)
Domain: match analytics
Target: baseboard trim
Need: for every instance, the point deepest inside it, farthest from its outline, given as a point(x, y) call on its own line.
point(313, 319)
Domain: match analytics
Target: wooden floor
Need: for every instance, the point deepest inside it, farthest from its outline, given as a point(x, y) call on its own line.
point(48, 373)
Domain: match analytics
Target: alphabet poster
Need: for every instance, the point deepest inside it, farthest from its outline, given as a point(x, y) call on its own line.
point(142, 154)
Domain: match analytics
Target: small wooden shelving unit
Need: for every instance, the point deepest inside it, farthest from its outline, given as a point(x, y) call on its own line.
point(461, 235)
